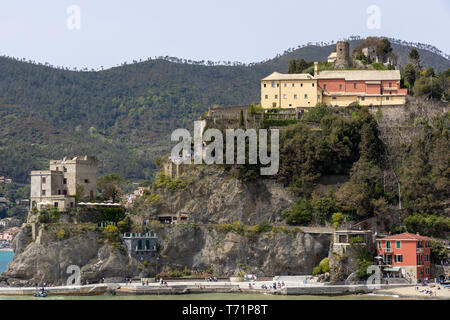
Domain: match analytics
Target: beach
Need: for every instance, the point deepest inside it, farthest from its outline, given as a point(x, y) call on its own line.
point(412, 292)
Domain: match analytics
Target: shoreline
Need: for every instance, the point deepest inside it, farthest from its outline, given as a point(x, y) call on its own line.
point(443, 293)
point(181, 288)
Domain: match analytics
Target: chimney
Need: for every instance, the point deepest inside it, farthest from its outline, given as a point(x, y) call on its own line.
point(417, 234)
point(316, 68)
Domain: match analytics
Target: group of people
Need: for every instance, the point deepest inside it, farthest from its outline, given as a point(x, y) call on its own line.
point(211, 279)
point(163, 283)
point(274, 286)
point(428, 291)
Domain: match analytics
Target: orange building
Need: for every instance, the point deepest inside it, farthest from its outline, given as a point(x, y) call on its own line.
point(406, 255)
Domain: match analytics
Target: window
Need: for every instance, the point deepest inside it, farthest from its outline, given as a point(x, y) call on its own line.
point(334, 98)
point(59, 192)
point(390, 84)
point(354, 86)
point(398, 258)
point(313, 84)
point(64, 192)
point(86, 181)
point(398, 244)
point(419, 259)
point(387, 98)
point(293, 84)
point(43, 192)
point(324, 87)
point(64, 169)
point(340, 87)
point(56, 204)
point(71, 204)
point(388, 258)
point(264, 85)
point(306, 96)
point(276, 96)
point(363, 98)
point(267, 96)
point(43, 179)
point(427, 257)
point(388, 244)
point(379, 244)
point(278, 85)
point(301, 84)
point(284, 96)
point(64, 181)
point(295, 96)
point(285, 85)
point(273, 84)
point(419, 244)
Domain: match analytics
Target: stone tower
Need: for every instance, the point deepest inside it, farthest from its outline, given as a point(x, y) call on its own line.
point(342, 55)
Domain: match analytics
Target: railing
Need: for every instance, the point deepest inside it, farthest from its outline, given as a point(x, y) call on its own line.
point(145, 249)
point(387, 249)
point(419, 250)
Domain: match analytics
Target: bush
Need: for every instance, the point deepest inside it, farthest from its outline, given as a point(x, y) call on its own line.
point(299, 214)
point(317, 113)
point(337, 219)
point(111, 214)
point(324, 266)
point(111, 232)
point(263, 226)
point(61, 234)
point(356, 240)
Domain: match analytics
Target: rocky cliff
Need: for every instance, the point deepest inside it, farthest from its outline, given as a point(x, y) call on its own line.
point(207, 194)
point(191, 247)
point(47, 260)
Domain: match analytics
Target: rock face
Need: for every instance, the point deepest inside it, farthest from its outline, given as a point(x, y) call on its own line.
point(192, 247)
point(48, 261)
point(264, 254)
point(216, 197)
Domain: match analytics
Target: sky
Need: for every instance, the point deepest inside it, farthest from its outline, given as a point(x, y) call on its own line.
point(106, 33)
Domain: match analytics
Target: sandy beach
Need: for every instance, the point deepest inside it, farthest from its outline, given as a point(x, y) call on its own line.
point(412, 292)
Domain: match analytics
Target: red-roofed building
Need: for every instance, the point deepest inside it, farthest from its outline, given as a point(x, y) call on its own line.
point(406, 255)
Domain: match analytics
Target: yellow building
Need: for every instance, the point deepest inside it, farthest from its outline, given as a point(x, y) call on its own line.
point(289, 91)
point(332, 87)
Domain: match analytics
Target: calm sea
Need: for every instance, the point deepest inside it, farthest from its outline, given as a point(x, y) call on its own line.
point(210, 296)
point(5, 258)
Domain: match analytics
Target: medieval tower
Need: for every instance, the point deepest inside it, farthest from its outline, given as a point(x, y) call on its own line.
point(342, 55)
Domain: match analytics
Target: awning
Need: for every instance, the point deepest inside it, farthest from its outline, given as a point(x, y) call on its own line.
point(393, 269)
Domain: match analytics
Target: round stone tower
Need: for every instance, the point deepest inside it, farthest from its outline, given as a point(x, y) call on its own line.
point(342, 55)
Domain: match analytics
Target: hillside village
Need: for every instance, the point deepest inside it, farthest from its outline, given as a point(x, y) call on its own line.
point(339, 195)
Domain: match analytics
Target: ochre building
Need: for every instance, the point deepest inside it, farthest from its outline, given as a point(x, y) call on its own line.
point(333, 87)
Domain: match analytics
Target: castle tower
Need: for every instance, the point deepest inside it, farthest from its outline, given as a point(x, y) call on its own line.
point(342, 55)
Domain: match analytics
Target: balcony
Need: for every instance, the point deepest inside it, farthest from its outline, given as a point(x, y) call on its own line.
point(387, 250)
point(137, 249)
point(419, 250)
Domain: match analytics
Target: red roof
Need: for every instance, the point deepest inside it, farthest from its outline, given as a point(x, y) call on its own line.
point(406, 236)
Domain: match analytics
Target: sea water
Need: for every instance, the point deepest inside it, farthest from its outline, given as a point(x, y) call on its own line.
point(5, 258)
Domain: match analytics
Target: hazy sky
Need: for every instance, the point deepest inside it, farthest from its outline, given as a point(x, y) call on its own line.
point(114, 31)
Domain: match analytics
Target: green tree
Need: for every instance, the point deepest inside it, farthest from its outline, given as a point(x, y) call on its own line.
point(299, 214)
point(79, 191)
point(410, 73)
point(110, 186)
point(337, 219)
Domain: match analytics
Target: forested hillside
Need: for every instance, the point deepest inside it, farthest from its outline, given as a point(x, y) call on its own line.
point(125, 114)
